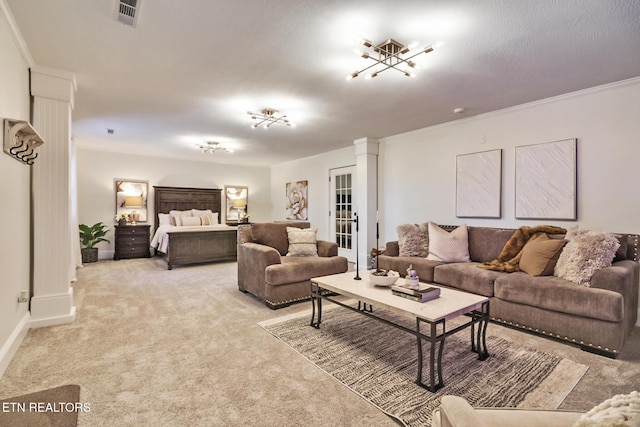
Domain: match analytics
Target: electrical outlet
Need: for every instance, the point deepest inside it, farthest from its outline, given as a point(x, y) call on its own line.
point(23, 297)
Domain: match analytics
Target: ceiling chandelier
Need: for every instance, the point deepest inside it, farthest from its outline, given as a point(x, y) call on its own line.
point(211, 147)
point(389, 54)
point(269, 116)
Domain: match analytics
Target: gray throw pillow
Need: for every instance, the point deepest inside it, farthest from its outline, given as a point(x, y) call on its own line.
point(413, 240)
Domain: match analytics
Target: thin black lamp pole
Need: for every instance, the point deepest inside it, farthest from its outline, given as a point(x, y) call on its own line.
point(377, 238)
point(357, 251)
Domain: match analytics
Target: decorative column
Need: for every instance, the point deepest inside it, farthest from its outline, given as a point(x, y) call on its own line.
point(366, 195)
point(53, 95)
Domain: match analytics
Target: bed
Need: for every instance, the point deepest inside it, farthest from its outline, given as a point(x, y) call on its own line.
point(183, 245)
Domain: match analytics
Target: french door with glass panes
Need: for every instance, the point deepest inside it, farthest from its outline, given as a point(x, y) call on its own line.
point(342, 227)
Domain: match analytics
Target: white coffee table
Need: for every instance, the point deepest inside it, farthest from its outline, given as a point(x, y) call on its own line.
point(435, 313)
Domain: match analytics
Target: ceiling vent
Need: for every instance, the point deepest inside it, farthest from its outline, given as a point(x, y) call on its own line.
point(127, 11)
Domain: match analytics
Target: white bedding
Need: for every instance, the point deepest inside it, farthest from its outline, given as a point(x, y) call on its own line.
point(160, 239)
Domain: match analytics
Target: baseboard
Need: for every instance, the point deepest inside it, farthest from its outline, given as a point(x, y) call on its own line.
point(50, 310)
point(15, 339)
point(52, 321)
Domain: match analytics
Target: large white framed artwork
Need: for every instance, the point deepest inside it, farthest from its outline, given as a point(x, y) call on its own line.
point(546, 180)
point(479, 184)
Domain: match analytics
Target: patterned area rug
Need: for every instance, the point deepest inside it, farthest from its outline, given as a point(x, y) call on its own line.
point(379, 363)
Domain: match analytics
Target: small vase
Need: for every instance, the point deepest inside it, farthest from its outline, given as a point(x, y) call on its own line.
point(122, 221)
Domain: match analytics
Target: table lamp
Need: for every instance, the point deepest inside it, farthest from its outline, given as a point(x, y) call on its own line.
point(133, 202)
point(239, 205)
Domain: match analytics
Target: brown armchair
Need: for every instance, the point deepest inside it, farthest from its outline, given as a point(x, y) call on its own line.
point(266, 272)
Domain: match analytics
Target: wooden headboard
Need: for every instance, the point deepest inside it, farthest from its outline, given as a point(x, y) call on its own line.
point(182, 198)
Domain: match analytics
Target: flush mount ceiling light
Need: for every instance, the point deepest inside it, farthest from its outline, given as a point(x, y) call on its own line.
point(211, 147)
point(269, 116)
point(389, 54)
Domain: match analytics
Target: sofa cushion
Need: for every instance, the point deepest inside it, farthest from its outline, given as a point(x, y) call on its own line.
point(300, 269)
point(486, 243)
point(274, 234)
point(556, 294)
point(302, 242)
point(584, 254)
point(467, 277)
point(540, 255)
point(422, 266)
point(413, 240)
point(448, 246)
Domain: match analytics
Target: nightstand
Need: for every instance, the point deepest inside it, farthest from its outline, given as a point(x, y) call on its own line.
point(132, 241)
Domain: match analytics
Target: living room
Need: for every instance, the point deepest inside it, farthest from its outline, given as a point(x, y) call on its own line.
point(416, 179)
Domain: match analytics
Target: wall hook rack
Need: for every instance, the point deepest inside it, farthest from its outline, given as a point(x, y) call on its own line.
point(21, 140)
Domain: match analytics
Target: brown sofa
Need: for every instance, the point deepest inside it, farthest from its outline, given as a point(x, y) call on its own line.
point(266, 272)
point(598, 318)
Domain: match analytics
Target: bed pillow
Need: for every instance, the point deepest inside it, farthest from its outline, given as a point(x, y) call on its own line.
point(540, 255)
point(164, 219)
point(210, 218)
point(302, 241)
point(213, 217)
point(585, 253)
point(190, 220)
point(413, 240)
point(175, 215)
point(448, 246)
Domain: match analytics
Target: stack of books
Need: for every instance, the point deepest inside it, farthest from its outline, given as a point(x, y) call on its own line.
point(424, 292)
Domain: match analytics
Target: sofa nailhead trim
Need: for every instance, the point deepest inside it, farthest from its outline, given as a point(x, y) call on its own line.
point(557, 336)
point(288, 301)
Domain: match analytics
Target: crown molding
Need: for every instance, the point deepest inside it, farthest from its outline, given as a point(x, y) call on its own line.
point(5, 12)
point(525, 106)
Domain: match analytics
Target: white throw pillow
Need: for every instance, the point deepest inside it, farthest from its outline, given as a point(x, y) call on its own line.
point(213, 216)
point(164, 219)
point(176, 215)
point(190, 220)
point(302, 241)
point(585, 253)
point(620, 410)
point(448, 246)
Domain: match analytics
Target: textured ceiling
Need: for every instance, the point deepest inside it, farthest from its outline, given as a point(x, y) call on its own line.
point(191, 69)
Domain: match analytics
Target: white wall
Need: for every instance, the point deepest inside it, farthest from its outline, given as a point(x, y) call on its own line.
point(15, 252)
point(418, 176)
point(97, 171)
point(315, 170)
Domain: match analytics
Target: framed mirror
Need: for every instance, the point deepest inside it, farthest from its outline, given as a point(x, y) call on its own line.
point(236, 198)
point(131, 200)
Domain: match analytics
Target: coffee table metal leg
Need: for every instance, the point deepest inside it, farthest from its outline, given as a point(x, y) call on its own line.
point(482, 336)
point(434, 364)
point(316, 299)
point(479, 337)
point(363, 306)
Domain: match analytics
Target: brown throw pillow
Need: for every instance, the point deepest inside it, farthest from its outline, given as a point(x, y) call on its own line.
point(540, 255)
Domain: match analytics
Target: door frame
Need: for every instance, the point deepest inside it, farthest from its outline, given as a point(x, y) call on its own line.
point(350, 254)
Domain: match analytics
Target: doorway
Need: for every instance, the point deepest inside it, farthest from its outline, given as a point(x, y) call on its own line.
point(342, 197)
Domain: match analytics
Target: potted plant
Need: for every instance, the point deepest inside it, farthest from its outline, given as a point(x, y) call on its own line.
point(89, 237)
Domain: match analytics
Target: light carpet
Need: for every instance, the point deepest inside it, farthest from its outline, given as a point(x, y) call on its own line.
point(379, 363)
